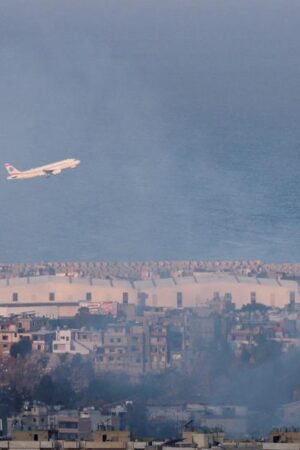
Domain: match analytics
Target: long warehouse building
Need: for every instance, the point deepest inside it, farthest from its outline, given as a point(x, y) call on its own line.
point(57, 296)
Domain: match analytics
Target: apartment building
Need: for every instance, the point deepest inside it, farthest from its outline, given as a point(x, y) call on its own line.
point(42, 340)
point(10, 335)
point(158, 349)
point(34, 416)
point(77, 341)
point(38, 421)
point(113, 355)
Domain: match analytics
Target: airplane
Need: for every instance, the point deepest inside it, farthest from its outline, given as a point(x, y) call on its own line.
point(46, 171)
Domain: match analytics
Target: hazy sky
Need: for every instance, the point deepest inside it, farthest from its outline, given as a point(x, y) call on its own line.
point(185, 115)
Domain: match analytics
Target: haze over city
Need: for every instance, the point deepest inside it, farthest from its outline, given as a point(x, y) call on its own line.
point(149, 226)
point(183, 114)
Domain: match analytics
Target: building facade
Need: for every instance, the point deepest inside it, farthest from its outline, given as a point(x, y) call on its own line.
point(56, 296)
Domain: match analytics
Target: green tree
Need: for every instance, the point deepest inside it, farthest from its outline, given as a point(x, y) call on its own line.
point(255, 307)
point(55, 392)
point(21, 348)
point(45, 389)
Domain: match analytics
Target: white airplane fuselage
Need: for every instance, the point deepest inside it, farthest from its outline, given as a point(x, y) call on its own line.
point(46, 170)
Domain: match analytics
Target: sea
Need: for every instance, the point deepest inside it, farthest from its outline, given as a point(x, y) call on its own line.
point(185, 116)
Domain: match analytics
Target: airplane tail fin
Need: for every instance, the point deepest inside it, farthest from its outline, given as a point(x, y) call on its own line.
point(11, 169)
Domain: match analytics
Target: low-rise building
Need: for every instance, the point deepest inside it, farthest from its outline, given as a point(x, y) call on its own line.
point(9, 336)
point(82, 342)
point(42, 340)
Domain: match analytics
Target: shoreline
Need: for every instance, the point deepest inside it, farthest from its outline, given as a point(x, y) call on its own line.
point(144, 270)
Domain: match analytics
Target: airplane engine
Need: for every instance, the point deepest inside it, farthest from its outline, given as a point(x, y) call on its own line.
point(56, 172)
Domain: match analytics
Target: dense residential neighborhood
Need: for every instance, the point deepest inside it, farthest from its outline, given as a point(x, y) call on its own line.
point(138, 339)
point(162, 368)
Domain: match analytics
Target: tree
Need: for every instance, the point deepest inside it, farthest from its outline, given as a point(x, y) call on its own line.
point(266, 350)
point(21, 348)
point(45, 389)
point(83, 310)
point(255, 307)
point(53, 392)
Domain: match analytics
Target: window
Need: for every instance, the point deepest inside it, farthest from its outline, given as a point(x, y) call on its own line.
point(68, 425)
point(253, 297)
point(15, 297)
point(142, 297)
point(51, 296)
point(292, 297)
point(125, 298)
point(216, 295)
point(228, 297)
point(88, 296)
point(179, 300)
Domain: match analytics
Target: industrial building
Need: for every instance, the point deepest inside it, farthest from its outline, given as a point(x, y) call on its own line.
point(56, 296)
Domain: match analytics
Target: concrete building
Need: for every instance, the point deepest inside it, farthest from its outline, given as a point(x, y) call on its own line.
point(39, 423)
point(42, 340)
point(113, 354)
point(76, 341)
point(203, 440)
point(32, 441)
point(8, 336)
point(123, 349)
point(34, 416)
point(284, 439)
point(55, 296)
point(158, 349)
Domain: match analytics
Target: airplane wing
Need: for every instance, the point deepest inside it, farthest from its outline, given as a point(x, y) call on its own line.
point(52, 171)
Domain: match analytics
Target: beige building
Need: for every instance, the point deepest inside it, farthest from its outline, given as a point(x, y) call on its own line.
point(55, 296)
point(10, 336)
point(123, 349)
point(76, 341)
point(203, 440)
point(32, 441)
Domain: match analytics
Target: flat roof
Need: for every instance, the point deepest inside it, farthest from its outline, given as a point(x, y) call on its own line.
point(143, 284)
point(197, 278)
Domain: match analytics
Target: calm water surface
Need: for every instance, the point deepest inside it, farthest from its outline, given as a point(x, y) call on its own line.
point(185, 117)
